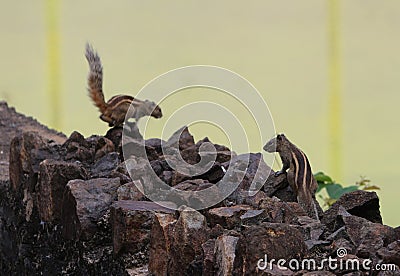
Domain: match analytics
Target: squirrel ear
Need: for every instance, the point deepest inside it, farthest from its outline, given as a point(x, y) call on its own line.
point(279, 137)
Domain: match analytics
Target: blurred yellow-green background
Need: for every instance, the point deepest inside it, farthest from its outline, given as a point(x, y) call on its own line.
point(329, 70)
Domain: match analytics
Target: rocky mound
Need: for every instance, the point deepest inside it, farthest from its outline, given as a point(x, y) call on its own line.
point(76, 206)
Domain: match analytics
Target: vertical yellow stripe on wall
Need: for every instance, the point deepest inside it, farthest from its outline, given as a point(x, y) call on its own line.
point(53, 62)
point(335, 108)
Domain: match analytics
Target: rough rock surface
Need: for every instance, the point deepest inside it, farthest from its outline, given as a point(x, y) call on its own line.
point(79, 206)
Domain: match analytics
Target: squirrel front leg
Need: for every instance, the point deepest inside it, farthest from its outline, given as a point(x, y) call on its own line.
point(285, 166)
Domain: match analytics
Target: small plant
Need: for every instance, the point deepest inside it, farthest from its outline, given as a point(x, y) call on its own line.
point(335, 190)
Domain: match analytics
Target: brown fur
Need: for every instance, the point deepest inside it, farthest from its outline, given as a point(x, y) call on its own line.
point(114, 110)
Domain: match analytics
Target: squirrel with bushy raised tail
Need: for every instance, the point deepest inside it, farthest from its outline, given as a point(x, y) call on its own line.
point(299, 174)
point(114, 110)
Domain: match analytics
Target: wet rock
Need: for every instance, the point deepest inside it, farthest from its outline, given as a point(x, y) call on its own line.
point(131, 224)
point(189, 233)
point(84, 203)
point(208, 257)
point(104, 166)
point(160, 243)
point(358, 203)
point(53, 177)
point(130, 191)
point(225, 247)
point(227, 217)
point(274, 240)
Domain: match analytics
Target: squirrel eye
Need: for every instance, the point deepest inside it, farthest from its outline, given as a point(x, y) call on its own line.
point(279, 137)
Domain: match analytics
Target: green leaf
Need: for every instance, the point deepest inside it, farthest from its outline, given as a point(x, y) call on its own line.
point(350, 189)
point(321, 186)
point(321, 177)
point(334, 190)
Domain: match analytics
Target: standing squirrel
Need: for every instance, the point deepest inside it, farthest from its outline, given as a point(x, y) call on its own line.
point(299, 175)
point(114, 110)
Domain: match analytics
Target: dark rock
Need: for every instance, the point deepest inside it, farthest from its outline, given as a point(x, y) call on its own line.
point(115, 136)
point(190, 155)
point(122, 173)
point(22, 162)
point(227, 217)
point(104, 166)
point(216, 231)
point(189, 233)
point(274, 240)
point(214, 174)
point(208, 257)
point(225, 247)
point(103, 146)
point(181, 139)
point(249, 198)
point(26, 152)
point(281, 212)
point(160, 243)
point(77, 148)
point(137, 148)
point(84, 203)
point(131, 130)
point(192, 195)
point(178, 178)
point(253, 217)
point(312, 230)
point(277, 185)
point(53, 177)
point(130, 191)
point(156, 144)
point(131, 224)
point(157, 167)
point(167, 177)
point(250, 171)
point(139, 271)
point(358, 203)
point(368, 237)
point(391, 253)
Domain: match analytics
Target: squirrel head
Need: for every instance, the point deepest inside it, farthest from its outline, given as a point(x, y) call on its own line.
point(276, 143)
point(154, 109)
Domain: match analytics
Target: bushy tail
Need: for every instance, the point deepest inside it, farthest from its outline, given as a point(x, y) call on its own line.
point(95, 78)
